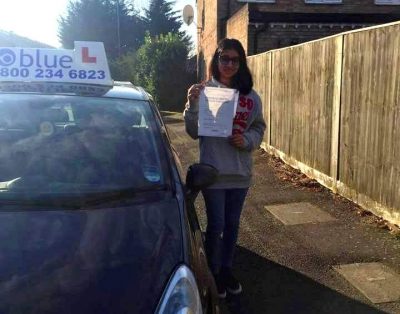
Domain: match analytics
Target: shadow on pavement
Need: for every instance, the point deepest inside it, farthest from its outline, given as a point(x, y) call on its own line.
point(271, 288)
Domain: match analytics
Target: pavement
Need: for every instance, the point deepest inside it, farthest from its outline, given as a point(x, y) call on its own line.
point(301, 248)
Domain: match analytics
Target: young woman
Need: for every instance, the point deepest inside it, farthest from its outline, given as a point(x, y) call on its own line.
point(231, 156)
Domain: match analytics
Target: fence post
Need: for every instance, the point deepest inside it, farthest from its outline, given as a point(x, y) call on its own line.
point(271, 54)
point(337, 91)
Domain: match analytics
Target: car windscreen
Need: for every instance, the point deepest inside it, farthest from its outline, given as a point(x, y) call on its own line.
point(52, 144)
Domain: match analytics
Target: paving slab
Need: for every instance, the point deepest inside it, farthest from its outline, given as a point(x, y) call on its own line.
point(299, 213)
point(376, 281)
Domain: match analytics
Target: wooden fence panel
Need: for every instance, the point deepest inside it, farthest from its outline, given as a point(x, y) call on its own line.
point(303, 85)
point(280, 101)
point(369, 163)
point(260, 67)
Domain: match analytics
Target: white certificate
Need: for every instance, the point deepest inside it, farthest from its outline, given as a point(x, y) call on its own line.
point(217, 108)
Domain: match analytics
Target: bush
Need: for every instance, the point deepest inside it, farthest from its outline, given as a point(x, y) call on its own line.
point(123, 68)
point(162, 69)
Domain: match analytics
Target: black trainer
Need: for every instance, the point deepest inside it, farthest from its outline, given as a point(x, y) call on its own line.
point(232, 285)
point(219, 281)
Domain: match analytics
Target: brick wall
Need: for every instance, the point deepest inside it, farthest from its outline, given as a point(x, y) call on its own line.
point(227, 18)
point(237, 26)
point(229, 7)
point(347, 6)
point(208, 33)
point(212, 17)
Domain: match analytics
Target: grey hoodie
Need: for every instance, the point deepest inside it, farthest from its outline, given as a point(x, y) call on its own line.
point(234, 164)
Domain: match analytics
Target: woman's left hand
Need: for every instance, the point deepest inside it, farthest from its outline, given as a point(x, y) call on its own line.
point(237, 140)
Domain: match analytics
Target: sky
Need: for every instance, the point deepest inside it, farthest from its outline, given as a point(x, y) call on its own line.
point(37, 19)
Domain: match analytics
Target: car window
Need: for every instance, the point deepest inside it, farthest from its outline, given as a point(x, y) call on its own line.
point(66, 144)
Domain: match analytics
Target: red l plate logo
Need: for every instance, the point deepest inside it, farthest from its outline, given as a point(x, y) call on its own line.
point(85, 56)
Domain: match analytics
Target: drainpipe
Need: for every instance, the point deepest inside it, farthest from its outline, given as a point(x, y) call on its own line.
point(227, 16)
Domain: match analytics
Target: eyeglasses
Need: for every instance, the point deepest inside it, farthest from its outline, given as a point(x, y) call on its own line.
point(225, 60)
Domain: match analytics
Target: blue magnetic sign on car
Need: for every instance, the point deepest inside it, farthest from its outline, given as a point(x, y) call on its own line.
point(87, 63)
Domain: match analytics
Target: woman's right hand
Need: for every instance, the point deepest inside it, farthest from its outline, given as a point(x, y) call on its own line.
point(194, 92)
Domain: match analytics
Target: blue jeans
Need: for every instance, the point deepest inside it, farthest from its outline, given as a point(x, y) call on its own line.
point(224, 207)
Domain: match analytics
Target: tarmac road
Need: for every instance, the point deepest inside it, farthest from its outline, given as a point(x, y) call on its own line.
point(289, 269)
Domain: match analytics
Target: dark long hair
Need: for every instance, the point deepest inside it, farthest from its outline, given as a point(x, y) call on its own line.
point(242, 80)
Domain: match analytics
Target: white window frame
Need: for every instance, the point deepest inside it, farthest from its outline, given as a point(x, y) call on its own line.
point(258, 1)
point(323, 1)
point(387, 2)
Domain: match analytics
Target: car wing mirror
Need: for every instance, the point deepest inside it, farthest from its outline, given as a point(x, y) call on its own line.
point(199, 176)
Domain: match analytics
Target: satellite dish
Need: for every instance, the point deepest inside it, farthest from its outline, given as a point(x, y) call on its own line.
point(188, 14)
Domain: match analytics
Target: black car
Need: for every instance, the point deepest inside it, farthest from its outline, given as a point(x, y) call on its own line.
point(94, 215)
